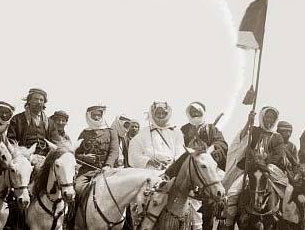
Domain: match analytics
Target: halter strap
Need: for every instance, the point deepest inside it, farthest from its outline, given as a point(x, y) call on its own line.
point(12, 184)
point(200, 177)
point(52, 213)
point(110, 224)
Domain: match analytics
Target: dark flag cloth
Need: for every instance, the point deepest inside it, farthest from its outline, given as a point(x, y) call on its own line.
point(252, 27)
point(250, 96)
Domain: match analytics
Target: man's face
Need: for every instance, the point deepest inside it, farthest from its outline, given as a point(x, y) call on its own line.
point(60, 123)
point(97, 115)
point(195, 112)
point(36, 102)
point(160, 113)
point(269, 119)
point(5, 113)
point(134, 129)
point(286, 133)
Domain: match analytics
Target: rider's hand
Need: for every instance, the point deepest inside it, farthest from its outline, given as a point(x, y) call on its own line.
point(106, 168)
point(89, 158)
point(163, 159)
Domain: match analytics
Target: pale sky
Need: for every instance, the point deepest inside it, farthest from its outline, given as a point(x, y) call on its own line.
point(126, 54)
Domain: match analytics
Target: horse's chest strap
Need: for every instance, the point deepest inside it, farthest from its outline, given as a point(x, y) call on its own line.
point(52, 213)
point(109, 223)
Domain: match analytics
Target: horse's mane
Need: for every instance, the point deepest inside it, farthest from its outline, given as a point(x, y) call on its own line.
point(41, 180)
point(173, 170)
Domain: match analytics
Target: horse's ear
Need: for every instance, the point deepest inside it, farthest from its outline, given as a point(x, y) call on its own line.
point(51, 145)
point(10, 147)
point(211, 149)
point(32, 150)
point(4, 149)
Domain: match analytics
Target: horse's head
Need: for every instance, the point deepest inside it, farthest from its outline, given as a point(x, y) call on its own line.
point(19, 174)
point(258, 184)
point(204, 176)
point(5, 155)
point(64, 171)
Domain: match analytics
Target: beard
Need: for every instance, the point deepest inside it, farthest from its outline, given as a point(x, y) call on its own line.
point(36, 107)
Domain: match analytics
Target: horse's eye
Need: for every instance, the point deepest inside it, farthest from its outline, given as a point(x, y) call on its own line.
point(57, 165)
point(203, 166)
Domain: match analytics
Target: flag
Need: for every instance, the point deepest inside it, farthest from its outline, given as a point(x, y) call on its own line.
point(249, 97)
point(252, 26)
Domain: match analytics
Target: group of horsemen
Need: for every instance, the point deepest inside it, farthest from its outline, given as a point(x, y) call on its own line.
point(124, 144)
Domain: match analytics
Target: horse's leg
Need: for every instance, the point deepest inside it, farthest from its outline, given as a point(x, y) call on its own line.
point(4, 212)
point(208, 215)
point(79, 222)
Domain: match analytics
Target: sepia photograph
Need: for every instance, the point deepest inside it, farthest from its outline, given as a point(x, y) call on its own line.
point(152, 115)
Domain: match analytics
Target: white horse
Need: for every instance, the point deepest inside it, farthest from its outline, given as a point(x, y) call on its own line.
point(193, 171)
point(15, 178)
point(109, 196)
point(53, 188)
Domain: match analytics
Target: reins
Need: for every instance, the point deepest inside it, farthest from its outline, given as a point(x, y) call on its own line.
point(110, 224)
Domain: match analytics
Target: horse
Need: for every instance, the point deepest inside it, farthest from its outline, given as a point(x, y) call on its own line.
point(15, 179)
point(260, 203)
point(192, 171)
point(53, 188)
point(109, 194)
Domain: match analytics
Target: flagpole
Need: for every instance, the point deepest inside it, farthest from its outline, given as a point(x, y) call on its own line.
point(255, 96)
point(259, 63)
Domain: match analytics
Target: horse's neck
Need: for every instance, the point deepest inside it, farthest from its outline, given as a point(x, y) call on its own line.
point(124, 186)
point(178, 195)
point(52, 188)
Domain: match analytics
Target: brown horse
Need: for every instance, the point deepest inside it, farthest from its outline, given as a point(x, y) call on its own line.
point(260, 204)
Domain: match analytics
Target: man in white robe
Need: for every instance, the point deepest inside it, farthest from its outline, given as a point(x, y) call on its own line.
point(158, 145)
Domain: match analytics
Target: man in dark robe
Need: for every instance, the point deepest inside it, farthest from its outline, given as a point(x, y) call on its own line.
point(33, 126)
point(285, 129)
point(210, 137)
point(265, 144)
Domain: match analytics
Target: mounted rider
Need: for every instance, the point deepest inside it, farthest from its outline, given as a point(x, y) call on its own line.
point(264, 143)
point(33, 126)
point(99, 147)
point(158, 145)
point(208, 135)
point(121, 125)
point(60, 119)
point(6, 114)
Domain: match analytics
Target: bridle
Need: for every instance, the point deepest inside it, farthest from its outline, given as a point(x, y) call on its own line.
point(109, 223)
point(13, 185)
point(205, 186)
point(58, 182)
point(52, 212)
point(265, 193)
